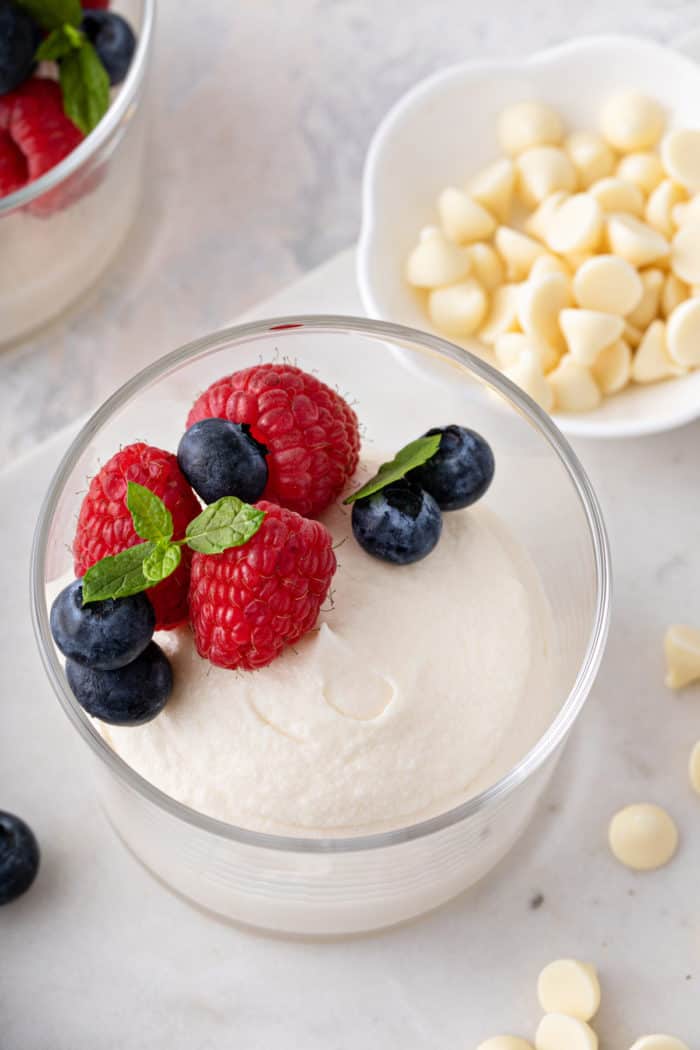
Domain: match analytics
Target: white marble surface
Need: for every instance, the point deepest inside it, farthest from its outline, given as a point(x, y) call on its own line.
point(100, 955)
point(261, 116)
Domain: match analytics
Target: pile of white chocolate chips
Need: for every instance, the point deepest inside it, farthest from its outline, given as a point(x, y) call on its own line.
point(576, 258)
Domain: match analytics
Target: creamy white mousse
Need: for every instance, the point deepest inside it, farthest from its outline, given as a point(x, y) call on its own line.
point(421, 686)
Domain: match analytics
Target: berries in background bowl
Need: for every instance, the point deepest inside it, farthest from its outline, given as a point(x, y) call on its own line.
point(19, 857)
point(461, 470)
point(105, 525)
point(311, 433)
point(102, 635)
point(129, 695)
point(250, 602)
point(220, 458)
point(113, 39)
point(401, 523)
point(19, 39)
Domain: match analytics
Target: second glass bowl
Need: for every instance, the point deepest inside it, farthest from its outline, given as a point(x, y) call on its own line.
point(332, 886)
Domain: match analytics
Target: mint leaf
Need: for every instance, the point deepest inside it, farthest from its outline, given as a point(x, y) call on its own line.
point(59, 43)
point(85, 87)
point(152, 519)
point(117, 576)
point(50, 14)
point(227, 523)
point(163, 561)
point(410, 456)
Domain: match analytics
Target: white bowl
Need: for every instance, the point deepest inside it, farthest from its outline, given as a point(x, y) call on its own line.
point(444, 130)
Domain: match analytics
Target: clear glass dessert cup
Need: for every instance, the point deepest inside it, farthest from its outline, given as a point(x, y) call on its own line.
point(335, 886)
point(59, 233)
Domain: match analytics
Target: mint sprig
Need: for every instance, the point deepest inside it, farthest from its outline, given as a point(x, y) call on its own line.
point(408, 458)
point(227, 523)
point(52, 14)
point(59, 43)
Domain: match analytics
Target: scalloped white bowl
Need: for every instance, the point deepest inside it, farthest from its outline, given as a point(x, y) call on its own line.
point(444, 129)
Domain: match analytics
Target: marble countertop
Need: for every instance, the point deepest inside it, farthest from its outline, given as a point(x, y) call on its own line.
point(261, 117)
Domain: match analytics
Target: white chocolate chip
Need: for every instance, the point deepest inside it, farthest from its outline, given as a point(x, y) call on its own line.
point(617, 195)
point(652, 361)
point(635, 241)
point(685, 253)
point(528, 375)
point(694, 768)
point(576, 225)
point(527, 124)
point(658, 1042)
point(548, 264)
point(661, 205)
point(458, 309)
point(647, 309)
point(591, 156)
point(493, 187)
point(544, 170)
point(537, 223)
point(517, 250)
point(463, 219)
point(643, 169)
point(436, 261)
point(632, 335)
point(509, 347)
point(613, 369)
point(631, 121)
point(643, 837)
point(587, 332)
point(680, 154)
point(674, 292)
point(575, 389)
point(682, 651)
point(503, 315)
point(687, 211)
point(559, 1032)
point(607, 283)
point(569, 987)
point(540, 303)
point(486, 266)
point(505, 1042)
point(683, 333)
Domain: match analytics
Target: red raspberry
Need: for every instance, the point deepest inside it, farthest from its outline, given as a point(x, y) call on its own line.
point(33, 118)
point(13, 166)
point(249, 602)
point(310, 432)
point(105, 525)
point(93, 5)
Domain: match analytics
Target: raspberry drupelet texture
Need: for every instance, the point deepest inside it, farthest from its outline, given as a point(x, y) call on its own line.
point(105, 525)
point(248, 603)
point(310, 431)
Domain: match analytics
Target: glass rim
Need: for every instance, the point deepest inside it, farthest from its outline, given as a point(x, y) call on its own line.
point(92, 143)
point(486, 799)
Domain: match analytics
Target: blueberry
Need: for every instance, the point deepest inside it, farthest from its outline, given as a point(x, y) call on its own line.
point(401, 523)
point(113, 39)
point(460, 471)
point(220, 458)
point(19, 857)
point(19, 39)
point(130, 695)
point(102, 635)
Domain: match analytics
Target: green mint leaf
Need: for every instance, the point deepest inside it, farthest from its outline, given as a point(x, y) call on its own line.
point(50, 14)
point(152, 519)
point(227, 523)
point(85, 87)
point(58, 43)
point(117, 576)
point(163, 561)
point(410, 456)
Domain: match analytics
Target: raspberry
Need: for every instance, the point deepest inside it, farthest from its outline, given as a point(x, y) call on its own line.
point(310, 432)
point(13, 166)
point(33, 118)
point(105, 525)
point(249, 602)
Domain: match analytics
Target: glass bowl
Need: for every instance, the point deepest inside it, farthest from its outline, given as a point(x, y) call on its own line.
point(334, 886)
point(59, 233)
